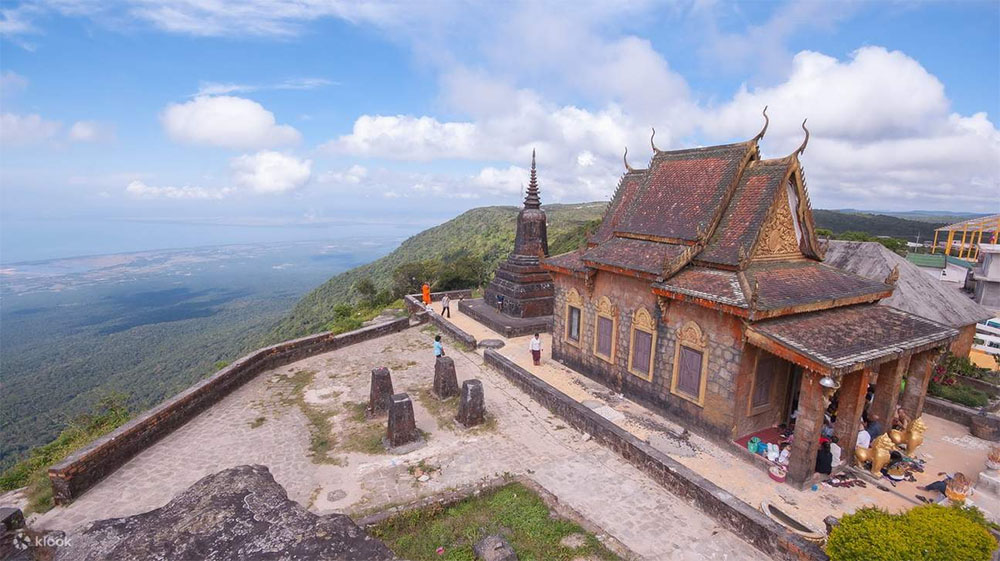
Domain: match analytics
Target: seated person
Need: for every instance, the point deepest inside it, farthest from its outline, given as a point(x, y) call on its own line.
point(836, 450)
point(824, 459)
point(900, 420)
point(786, 451)
point(941, 485)
point(864, 437)
point(875, 428)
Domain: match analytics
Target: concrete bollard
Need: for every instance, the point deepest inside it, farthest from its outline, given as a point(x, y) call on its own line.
point(472, 407)
point(381, 392)
point(445, 378)
point(402, 428)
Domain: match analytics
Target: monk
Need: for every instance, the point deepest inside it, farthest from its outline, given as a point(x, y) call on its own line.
point(426, 290)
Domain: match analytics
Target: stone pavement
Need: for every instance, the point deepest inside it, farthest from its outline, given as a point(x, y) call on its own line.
point(262, 423)
point(948, 447)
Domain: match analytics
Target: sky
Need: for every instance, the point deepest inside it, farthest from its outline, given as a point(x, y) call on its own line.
point(142, 124)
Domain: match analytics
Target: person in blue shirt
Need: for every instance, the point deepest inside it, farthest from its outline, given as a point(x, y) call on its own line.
point(438, 347)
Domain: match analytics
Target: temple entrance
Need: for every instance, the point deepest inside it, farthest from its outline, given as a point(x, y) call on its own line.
point(794, 380)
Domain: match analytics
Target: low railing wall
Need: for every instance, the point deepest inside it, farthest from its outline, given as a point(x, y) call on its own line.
point(415, 306)
point(85, 467)
point(736, 515)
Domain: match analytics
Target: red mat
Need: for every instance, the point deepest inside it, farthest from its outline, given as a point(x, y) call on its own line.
point(770, 434)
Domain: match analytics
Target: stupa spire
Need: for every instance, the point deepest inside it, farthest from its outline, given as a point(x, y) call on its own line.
point(532, 200)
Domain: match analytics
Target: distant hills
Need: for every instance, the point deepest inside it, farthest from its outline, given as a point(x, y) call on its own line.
point(487, 233)
point(936, 216)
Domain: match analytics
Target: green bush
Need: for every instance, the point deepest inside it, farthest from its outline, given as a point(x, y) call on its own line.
point(963, 395)
point(924, 533)
point(110, 413)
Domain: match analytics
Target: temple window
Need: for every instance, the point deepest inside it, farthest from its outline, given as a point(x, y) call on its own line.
point(606, 326)
point(767, 370)
point(641, 345)
point(574, 317)
point(690, 365)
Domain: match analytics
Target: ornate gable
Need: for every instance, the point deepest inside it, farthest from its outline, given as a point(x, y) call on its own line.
point(780, 234)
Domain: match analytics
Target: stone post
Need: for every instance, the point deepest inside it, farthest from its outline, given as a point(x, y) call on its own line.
point(887, 390)
point(472, 407)
point(402, 427)
point(921, 371)
point(808, 422)
point(381, 392)
point(445, 379)
point(850, 405)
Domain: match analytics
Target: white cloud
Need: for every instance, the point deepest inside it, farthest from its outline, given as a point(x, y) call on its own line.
point(270, 172)
point(90, 131)
point(12, 83)
point(140, 190)
point(216, 88)
point(351, 176)
point(227, 121)
point(21, 130)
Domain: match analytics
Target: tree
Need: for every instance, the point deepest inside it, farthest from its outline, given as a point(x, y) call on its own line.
point(464, 272)
point(409, 277)
point(365, 288)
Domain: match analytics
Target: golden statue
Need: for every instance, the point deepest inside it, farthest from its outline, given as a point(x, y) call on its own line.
point(912, 437)
point(879, 454)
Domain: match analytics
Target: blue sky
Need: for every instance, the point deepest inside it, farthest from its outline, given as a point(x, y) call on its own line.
point(293, 118)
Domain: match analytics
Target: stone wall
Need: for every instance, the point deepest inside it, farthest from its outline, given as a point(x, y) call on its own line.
point(727, 363)
point(734, 514)
point(960, 414)
point(416, 307)
point(85, 467)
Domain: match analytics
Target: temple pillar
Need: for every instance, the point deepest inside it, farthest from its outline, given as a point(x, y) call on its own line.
point(887, 390)
point(850, 405)
point(920, 372)
point(808, 422)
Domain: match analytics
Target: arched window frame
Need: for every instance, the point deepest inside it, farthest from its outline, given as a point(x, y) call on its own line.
point(643, 321)
point(573, 300)
point(606, 309)
point(690, 335)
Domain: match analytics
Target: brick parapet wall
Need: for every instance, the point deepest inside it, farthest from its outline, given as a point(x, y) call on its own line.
point(84, 468)
point(416, 307)
point(736, 515)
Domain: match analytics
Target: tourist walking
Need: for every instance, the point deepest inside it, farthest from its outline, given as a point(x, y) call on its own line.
point(500, 303)
point(438, 347)
point(446, 306)
point(535, 346)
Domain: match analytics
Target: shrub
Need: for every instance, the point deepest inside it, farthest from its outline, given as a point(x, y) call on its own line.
point(924, 533)
point(957, 393)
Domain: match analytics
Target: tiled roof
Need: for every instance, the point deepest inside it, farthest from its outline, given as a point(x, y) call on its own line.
point(618, 206)
point(571, 262)
point(710, 284)
point(652, 258)
point(683, 191)
point(741, 223)
point(805, 283)
point(841, 338)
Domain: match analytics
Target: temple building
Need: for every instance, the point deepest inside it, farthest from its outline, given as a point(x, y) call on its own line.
point(703, 294)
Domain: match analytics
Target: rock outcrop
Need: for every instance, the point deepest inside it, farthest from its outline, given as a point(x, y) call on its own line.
point(240, 513)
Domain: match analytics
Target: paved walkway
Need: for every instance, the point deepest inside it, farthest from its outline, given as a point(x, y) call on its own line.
point(948, 447)
point(527, 440)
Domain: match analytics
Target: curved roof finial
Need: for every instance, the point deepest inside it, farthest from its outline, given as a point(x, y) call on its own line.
point(655, 149)
point(767, 121)
point(802, 148)
point(625, 157)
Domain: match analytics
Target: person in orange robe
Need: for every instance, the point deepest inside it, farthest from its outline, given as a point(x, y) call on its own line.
point(426, 289)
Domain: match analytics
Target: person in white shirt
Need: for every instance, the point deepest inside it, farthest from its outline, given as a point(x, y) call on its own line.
point(445, 306)
point(535, 346)
point(835, 449)
point(786, 451)
point(864, 439)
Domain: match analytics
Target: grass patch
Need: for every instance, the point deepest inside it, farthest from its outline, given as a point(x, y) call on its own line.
point(512, 510)
point(110, 413)
point(443, 411)
point(257, 422)
point(365, 438)
point(321, 440)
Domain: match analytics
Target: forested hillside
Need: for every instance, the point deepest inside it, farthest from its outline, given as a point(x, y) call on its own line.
point(482, 235)
point(486, 235)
